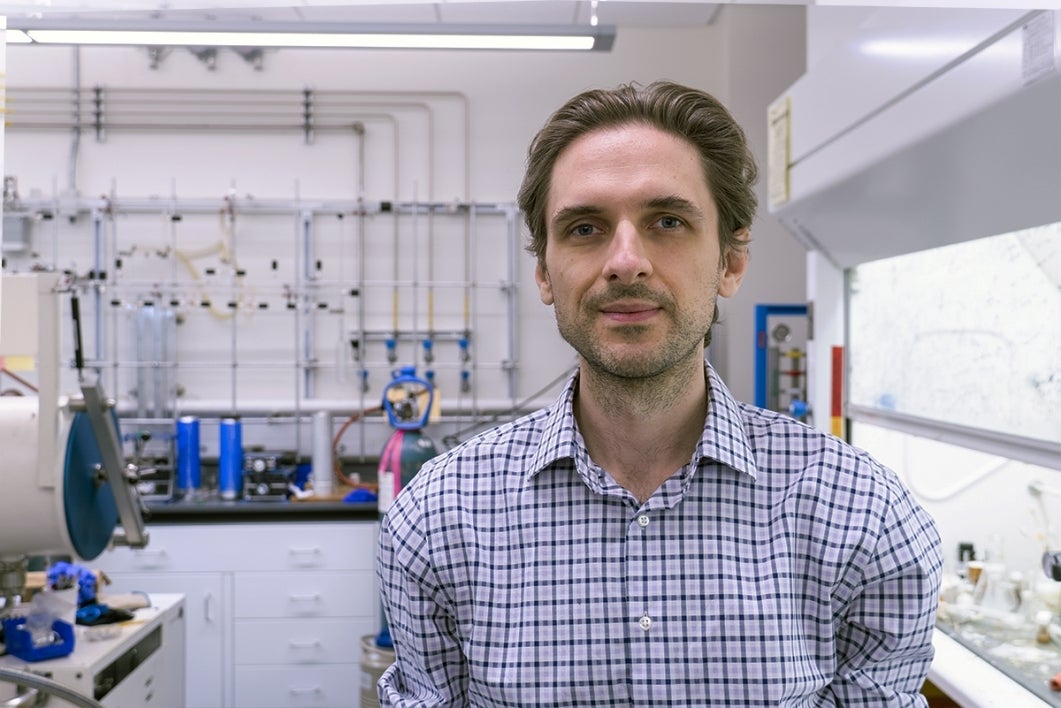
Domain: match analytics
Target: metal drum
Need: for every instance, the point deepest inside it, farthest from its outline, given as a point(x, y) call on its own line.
point(374, 661)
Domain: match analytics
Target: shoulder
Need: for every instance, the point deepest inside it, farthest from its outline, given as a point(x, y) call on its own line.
point(808, 462)
point(779, 441)
point(841, 497)
point(486, 463)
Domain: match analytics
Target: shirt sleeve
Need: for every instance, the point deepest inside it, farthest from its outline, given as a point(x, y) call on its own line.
point(429, 669)
point(884, 636)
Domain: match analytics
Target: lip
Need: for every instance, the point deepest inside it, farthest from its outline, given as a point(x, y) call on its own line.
point(630, 311)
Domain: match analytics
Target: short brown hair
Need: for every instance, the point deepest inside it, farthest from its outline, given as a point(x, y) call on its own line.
point(693, 115)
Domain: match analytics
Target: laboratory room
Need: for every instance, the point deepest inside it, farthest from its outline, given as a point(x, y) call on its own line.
point(339, 353)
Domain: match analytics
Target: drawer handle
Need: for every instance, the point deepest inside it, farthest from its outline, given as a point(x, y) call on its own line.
point(305, 645)
point(150, 556)
point(310, 597)
point(302, 691)
point(208, 605)
point(306, 551)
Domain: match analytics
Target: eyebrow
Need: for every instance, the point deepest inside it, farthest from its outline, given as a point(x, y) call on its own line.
point(573, 213)
point(669, 203)
point(675, 203)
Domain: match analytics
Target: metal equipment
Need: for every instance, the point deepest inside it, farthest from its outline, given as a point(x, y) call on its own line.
point(407, 400)
point(781, 334)
point(268, 475)
point(66, 482)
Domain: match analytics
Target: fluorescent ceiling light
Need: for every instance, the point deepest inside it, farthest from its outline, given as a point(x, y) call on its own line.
point(316, 35)
point(916, 48)
point(16, 37)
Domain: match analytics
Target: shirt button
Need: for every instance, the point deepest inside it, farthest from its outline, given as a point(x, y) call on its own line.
point(645, 622)
point(643, 520)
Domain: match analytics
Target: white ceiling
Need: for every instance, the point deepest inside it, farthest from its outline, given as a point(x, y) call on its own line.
point(646, 13)
point(546, 12)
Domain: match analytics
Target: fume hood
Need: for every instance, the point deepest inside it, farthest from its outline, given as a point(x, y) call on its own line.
point(927, 128)
point(919, 162)
point(923, 133)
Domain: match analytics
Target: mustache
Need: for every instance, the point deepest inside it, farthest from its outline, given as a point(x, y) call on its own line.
point(635, 291)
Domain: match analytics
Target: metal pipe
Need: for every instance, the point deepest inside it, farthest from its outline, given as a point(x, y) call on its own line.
point(308, 357)
point(75, 143)
point(267, 207)
point(513, 305)
point(283, 407)
point(228, 222)
point(361, 216)
point(48, 686)
point(470, 303)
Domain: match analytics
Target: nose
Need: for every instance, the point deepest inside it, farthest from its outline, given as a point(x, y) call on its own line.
point(627, 259)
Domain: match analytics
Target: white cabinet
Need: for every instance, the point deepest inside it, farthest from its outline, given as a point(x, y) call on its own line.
point(141, 667)
point(204, 595)
point(275, 611)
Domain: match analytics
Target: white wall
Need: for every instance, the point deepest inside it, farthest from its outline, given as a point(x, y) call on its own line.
point(506, 97)
point(766, 47)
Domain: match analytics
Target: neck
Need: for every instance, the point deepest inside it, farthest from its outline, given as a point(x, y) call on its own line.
point(642, 430)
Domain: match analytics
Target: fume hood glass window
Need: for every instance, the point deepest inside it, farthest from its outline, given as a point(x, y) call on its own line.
point(967, 334)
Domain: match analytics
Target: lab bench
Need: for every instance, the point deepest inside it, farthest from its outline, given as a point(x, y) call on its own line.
point(278, 596)
point(217, 511)
point(140, 665)
point(987, 659)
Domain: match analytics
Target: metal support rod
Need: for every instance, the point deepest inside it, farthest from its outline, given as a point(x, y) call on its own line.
point(295, 299)
point(228, 222)
point(471, 295)
point(101, 419)
point(100, 258)
point(75, 131)
point(513, 304)
point(308, 336)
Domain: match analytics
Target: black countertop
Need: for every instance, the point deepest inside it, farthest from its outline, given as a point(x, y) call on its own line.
point(217, 511)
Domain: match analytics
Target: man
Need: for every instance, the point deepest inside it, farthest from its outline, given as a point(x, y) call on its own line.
point(647, 540)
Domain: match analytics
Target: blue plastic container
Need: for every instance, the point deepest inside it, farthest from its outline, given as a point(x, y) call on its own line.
point(189, 475)
point(21, 645)
point(230, 459)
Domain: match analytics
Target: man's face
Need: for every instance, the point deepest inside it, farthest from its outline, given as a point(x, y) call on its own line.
point(632, 260)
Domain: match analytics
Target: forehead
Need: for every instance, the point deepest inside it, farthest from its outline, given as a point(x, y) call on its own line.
point(619, 154)
point(616, 161)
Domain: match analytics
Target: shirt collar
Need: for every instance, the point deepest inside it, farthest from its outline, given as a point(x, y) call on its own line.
point(723, 439)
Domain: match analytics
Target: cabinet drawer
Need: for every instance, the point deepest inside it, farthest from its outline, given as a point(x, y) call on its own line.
point(137, 690)
point(297, 595)
point(322, 546)
point(316, 686)
point(235, 547)
point(310, 641)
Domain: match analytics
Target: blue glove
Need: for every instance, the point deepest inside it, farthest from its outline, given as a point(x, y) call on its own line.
point(62, 576)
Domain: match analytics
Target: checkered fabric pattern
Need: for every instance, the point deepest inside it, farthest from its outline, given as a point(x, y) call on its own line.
point(779, 567)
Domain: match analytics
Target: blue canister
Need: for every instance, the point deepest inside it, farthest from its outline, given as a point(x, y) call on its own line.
point(189, 477)
point(230, 459)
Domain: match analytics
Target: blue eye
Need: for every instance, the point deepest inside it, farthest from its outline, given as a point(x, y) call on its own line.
point(583, 230)
point(670, 222)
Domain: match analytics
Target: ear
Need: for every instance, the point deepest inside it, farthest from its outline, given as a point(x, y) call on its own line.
point(736, 263)
point(545, 288)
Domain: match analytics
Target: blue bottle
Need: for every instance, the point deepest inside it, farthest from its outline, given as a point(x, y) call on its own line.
point(230, 459)
point(189, 477)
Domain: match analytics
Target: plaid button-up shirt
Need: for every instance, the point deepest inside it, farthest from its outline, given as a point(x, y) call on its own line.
point(779, 567)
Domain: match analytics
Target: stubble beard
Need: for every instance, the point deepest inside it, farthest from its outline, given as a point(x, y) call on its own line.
point(628, 360)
